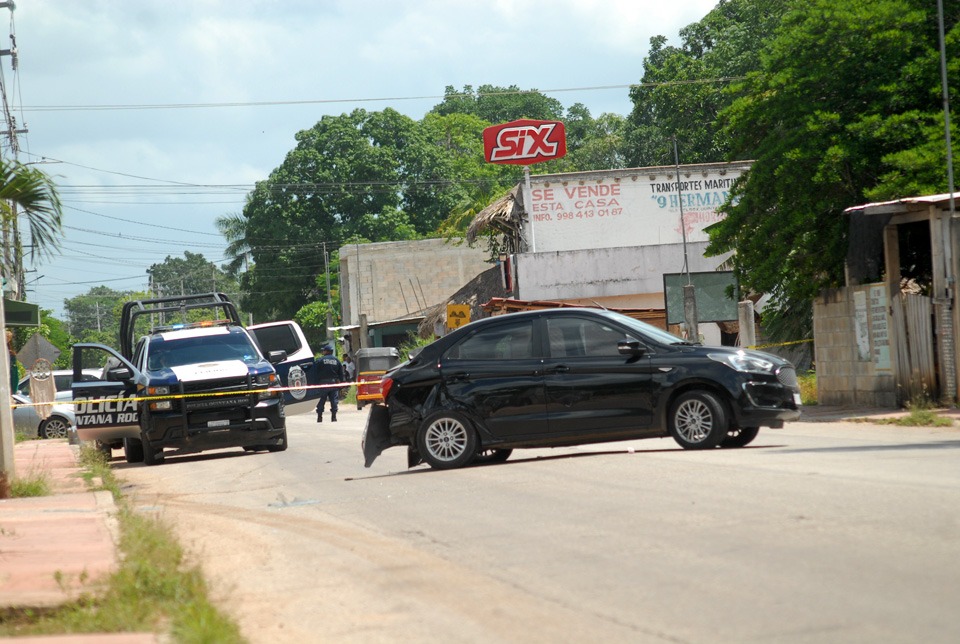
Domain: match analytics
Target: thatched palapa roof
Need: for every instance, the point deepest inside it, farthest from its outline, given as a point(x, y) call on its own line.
point(505, 216)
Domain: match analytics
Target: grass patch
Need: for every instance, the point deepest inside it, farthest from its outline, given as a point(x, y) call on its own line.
point(153, 590)
point(920, 413)
point(917, 418)
point(808, 387)
point(34, 484)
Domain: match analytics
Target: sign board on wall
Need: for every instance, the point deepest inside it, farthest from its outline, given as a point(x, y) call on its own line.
point(710, 288)
point(631, 207)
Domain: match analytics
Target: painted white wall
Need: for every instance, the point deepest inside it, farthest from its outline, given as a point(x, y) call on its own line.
point(631, 274)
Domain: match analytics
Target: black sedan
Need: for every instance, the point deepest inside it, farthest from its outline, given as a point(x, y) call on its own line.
point(573, 376)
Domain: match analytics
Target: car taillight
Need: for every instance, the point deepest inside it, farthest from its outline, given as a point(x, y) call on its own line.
point(385, 385)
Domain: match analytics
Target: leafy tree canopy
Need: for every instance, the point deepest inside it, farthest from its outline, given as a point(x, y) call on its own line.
point(499, 104)
point(190, 274)
point(684, 88)
point(844, 107)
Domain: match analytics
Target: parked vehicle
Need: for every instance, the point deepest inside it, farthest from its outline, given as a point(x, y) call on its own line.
point(296, 371)
point(571, 376)
point(189, 386)
point(372, 364)
point(28, 421)
point(62, 379)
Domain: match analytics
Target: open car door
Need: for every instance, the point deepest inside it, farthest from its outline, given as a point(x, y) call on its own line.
point(106, 407)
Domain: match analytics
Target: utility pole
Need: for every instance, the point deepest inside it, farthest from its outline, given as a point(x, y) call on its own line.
point(9, 230)
point(326, 271)
point(689, 292)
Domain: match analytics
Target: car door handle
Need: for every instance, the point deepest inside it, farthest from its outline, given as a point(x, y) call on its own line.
point(558, 369)
point(460, 376)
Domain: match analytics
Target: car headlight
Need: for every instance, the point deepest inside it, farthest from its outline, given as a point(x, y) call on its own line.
point(160, 405)
point(266, 379)
point(746, 362)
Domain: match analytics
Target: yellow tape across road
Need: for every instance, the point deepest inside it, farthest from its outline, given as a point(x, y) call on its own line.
point(244, 392)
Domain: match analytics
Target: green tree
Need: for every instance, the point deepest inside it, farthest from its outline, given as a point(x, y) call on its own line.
point(233, 227)
point(55, 331)
point(841, 108)
point(29, 192)
point(94, 315)
point(190, 275)
point(499, 104)
point(377, 175)
point(684, 88)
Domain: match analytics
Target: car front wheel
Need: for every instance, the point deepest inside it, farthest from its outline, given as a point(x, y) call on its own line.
point(447, 440)
point(698, 420)
point(54, 427)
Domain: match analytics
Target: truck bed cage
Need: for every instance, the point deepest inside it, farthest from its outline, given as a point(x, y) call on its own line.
point(170, 304)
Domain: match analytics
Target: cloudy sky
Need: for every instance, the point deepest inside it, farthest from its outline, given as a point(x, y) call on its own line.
point(155, 117)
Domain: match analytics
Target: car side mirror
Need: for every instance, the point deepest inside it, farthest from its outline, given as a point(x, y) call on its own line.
point(630, 348)
point(276, 356)
point(119, 374)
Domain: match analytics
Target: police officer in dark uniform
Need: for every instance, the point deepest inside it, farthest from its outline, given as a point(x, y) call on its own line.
point(329, 372)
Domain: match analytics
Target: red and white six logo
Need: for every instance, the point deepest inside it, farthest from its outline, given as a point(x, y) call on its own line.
point(525, 141)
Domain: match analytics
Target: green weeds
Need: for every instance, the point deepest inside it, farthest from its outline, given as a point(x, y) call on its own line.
point(33, 484)
point(152, 591)
point(808, 387)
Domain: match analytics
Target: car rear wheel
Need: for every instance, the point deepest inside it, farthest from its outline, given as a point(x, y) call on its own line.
point(447, 440)
point(698, 420)
point(54, 427)
point(740, 436)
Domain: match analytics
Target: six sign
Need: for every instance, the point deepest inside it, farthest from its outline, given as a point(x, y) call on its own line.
point(524, 142)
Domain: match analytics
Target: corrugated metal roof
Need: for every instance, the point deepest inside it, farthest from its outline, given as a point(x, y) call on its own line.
point(886, 206)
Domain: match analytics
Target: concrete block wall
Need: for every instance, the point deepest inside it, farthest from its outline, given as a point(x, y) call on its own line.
point(843, 378)
point(394, 280)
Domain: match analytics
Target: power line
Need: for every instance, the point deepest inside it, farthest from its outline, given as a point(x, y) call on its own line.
point(381, 99)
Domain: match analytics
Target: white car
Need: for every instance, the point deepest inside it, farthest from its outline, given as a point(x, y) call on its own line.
point(27, 420)
point(62, 379)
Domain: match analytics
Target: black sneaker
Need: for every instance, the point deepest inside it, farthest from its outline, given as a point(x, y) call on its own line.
point(319, 418)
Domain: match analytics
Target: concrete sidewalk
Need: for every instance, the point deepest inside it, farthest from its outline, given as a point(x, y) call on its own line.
point(56, 548)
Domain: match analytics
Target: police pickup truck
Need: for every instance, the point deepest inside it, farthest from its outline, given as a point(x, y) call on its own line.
point(180, 388)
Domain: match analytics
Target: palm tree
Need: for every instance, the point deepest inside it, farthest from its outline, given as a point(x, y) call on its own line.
point(30, 192)
point(233, 227)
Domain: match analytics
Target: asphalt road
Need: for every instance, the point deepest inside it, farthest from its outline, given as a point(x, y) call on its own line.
point(819, 532)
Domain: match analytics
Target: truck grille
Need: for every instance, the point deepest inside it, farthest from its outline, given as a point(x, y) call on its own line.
point(230, 392)
point(216, 385)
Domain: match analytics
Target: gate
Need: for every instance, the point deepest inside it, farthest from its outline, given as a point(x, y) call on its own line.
point(916, 369)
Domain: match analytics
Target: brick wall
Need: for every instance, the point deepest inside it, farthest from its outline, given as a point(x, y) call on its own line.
point(394, 280)
point(846, 374)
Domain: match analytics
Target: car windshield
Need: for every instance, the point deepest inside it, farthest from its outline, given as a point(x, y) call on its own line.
point(182, 351)
point(647, 330)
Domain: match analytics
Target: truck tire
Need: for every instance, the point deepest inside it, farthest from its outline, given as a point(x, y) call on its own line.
point(133, 450)
point(151, 455)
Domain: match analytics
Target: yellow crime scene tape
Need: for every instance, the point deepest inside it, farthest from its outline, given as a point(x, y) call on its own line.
point(244, 392)
point(779, 344)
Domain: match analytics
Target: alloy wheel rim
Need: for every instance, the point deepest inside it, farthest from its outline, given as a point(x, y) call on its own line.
point(446, 439)
point(694, 421)
point(56, 429)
